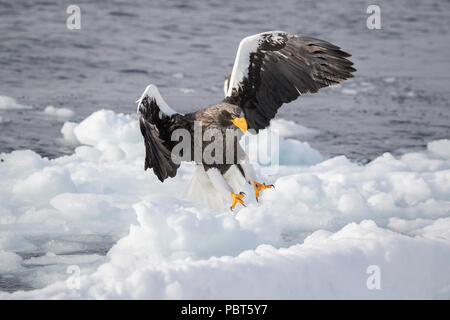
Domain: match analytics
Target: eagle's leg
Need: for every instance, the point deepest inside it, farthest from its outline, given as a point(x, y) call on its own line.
point(219, 182)
point(249, 174)
point(237, 198)
point(259, 186)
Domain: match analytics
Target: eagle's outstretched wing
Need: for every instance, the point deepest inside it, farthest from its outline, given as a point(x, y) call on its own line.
point(274, 67)
point(154, 115)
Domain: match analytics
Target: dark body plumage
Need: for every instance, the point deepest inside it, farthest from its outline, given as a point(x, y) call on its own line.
point(157, 129)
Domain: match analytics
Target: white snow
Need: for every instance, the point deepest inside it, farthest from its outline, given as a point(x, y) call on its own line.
point(291, 152)
point(59, 112)
point(290, 129)
point(313, 236)
point(7, 103)
point(440, 148)
point(68, 133)
point(51, 258)
point(9, 261)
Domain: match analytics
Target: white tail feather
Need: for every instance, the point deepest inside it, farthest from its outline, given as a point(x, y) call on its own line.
point(202, 191)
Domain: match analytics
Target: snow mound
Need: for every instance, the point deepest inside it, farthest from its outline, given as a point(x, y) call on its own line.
point(280, 151)
point(440, 148)
point(68, 132)
point(290, 129)
point(319, 234)
point(105, 126)
point(9, 262)
point(8, 103)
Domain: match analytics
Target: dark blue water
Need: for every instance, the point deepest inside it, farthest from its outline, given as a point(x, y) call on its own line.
point(399, 99)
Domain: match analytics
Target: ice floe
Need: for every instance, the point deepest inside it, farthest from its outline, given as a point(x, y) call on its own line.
point(314, 236)
point(59, 112)
point(7, 103)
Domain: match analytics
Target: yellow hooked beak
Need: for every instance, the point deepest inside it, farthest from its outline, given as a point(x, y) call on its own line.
point(241, 123)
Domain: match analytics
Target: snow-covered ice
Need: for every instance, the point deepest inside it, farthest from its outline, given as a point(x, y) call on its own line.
point(7, 103)
point(68, 133)
point(314, 236)
point(290, 129)
point(59, 112)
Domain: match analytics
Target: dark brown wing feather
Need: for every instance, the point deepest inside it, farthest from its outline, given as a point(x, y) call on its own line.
point(157, 155)
point(279, 74)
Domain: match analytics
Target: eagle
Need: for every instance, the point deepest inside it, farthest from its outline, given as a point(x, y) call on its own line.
point(270, 69)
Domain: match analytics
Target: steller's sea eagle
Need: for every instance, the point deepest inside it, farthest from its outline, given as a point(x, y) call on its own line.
point(270, 69)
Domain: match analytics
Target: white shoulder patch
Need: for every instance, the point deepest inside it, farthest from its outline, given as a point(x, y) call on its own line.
point(247, 46)
point(152, 92)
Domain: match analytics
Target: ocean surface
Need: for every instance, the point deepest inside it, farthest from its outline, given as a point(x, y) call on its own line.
point(399, 99)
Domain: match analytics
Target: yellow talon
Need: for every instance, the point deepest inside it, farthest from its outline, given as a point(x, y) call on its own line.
point(259, 186)
point(237, 198)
